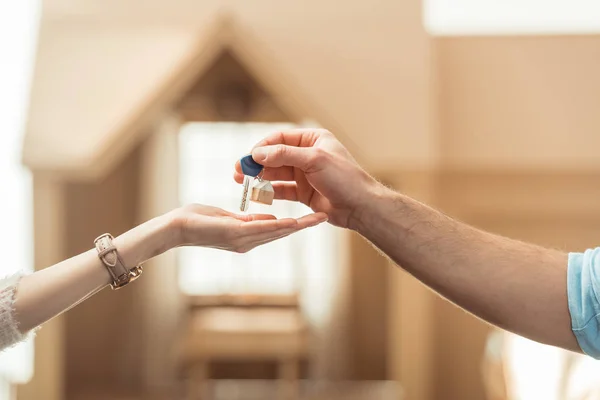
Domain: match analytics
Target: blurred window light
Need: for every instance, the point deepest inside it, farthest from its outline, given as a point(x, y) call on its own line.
point(208, 152)
point(511, 17)
point(18, 38)
point(538, 371)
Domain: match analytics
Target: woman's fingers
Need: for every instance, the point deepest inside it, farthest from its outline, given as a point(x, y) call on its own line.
point(257, 240)
point(254, 217)
point(312, 219)
point(265, 226)
point(303, 223)
point(263, 229)
point(264, 241)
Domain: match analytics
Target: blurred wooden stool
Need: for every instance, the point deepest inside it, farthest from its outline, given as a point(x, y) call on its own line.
point(276, 334)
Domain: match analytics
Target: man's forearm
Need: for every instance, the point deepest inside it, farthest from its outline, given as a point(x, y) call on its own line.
point(516, 286)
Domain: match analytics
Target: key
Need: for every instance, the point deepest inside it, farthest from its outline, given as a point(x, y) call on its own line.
point(244, 203)
point(250, 168)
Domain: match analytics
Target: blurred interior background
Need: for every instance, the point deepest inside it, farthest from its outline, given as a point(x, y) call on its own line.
point(112, 112)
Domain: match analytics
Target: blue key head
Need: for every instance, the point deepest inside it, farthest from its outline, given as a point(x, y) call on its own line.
point(250, 167)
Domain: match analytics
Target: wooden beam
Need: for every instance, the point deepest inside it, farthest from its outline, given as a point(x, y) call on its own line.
point(163, 301)
point(225, 35)
point(411, 341)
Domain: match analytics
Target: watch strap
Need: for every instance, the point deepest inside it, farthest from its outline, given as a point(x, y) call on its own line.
point(109, 255)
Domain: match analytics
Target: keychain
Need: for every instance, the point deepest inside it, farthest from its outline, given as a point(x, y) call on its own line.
point(262, 191)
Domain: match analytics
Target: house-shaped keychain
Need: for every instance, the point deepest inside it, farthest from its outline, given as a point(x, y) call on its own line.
point(262, 190)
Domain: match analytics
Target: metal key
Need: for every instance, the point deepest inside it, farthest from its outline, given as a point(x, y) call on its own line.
point(244, 203)
point(250, 168)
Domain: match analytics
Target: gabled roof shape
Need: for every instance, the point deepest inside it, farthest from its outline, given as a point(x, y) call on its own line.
point(79, 148)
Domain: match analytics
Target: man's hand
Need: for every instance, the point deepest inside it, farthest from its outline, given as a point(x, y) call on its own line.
point(517, 286)
point(313, 167)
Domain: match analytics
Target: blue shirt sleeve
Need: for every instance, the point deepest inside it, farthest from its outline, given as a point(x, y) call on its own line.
point(583, 286)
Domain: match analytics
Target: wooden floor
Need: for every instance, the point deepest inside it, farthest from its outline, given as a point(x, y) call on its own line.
point(262, 390)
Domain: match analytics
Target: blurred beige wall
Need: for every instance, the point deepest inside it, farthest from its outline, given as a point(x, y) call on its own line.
point(91, 353)
point(526, 103)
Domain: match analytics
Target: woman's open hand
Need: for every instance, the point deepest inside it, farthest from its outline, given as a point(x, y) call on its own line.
point(200, 225)
point(47, 293)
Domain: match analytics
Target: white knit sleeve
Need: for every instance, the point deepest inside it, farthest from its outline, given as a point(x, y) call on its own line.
point(9, 334)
